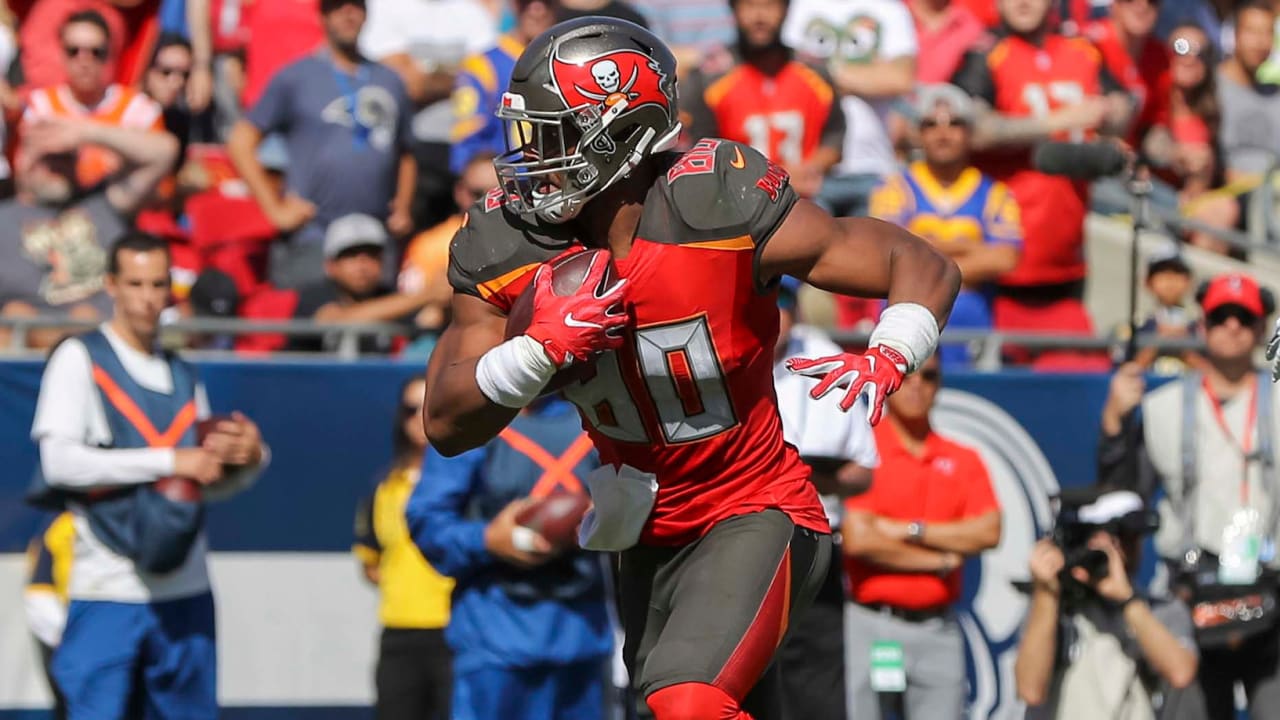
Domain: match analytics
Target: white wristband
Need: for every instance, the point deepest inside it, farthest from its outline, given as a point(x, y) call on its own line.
point(909, 328)
point(513, 373)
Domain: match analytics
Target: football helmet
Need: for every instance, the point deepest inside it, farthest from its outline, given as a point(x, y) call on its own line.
point(588, 100)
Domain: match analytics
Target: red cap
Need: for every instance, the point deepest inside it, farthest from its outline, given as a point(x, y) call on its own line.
point(1233, 289)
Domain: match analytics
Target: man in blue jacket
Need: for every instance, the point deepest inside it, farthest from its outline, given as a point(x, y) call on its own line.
point(530, 629)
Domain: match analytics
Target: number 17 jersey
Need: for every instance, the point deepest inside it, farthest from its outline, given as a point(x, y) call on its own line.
point(689, 397)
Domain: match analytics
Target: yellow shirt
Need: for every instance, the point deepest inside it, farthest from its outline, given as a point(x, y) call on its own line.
point(414, 595)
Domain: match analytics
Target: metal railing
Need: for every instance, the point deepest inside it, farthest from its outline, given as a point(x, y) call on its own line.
point(987, 346)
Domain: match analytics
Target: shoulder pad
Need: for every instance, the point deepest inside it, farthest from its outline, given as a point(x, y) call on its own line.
point(719, 189)
point(493, 253)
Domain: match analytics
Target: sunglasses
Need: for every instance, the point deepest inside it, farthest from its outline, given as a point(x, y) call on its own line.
point(172, 71)
point(1221, 315)
point(409, 410)
point(98, 52)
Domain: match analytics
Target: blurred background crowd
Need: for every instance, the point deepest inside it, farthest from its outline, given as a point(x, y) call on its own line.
point(309, 160)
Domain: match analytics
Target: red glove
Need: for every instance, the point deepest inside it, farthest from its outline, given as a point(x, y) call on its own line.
point(578, 326)
point(878, 372)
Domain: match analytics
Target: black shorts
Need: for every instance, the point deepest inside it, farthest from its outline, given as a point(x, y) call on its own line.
point(716, 610)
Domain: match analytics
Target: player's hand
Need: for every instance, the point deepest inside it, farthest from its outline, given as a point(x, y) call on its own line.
point(236, 441)
point(198, 464)
point(290, 213)
point(576, 327)
point(500, 538)
point(1273, 352)
point(878, 372)
point(1047, 562)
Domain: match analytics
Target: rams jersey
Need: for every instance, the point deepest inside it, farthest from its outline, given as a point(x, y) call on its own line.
point(479, 85)
point(689, 397)
point(785, 116)
point(974, 210)
point(1018, 78)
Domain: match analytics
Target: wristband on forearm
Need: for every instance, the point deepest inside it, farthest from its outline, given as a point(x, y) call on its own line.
point(515, 372)
point(909, 328)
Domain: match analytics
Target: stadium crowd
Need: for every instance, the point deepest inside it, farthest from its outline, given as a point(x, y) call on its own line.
point(292, 116)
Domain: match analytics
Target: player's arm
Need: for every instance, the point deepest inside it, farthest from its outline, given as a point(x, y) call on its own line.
point(457, 414)
point(478, 382)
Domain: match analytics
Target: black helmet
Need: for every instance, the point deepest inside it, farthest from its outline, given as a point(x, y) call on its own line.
point(588, 100)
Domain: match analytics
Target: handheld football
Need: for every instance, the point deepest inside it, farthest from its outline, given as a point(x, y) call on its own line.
point(567, 275)
point(556, 518)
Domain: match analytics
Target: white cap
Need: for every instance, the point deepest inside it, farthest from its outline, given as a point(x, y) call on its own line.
point(957, 101)
point(351, 231)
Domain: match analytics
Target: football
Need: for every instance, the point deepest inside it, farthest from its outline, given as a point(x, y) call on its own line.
point(556, 518)
point(181, 489)
point(567, 274)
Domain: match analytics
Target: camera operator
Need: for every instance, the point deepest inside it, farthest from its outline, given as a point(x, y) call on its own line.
point(1094, 647)
point(1207, 440)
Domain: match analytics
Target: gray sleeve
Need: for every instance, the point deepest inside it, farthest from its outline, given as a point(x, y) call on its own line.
point(1176, 616)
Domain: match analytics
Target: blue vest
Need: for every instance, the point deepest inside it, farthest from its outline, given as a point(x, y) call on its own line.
point(511, 471)
point(136, 521)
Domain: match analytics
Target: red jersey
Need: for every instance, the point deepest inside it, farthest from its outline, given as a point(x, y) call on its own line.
point(1020, 79)
point(1147, 79)
point(785, 116)
point(690, 396)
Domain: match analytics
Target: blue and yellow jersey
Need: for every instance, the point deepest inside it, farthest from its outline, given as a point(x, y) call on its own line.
point(413, 594)
point(49, 557)
point(973, 210)
point(476, 93)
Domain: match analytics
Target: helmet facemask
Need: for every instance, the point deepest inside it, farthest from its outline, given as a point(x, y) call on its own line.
point(558, 160)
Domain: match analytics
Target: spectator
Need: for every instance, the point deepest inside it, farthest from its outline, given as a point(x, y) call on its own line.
point(766, 99)
point(1168, 281)
point(481, 82)
point(945, 30)
point(870, 48)
point(54, 234)
point(530, 629)
point(355, 248)
point(116, 413)
point(1012, 79)
point(841, 452)
point(426, 260)
point(213, 294)
point(570, 9)
point(1136, 58)
point(950, 203)
point(345, 120)
point(426, 43)
point(45, 597)
point(693, 29)
point(1211, 16)
point(1092, 646)
point(132, 29)
point(415, 667)
point(1250, 131)
point(1195, 439)
point(89, 93)
point(166, 83)
point(929, 507)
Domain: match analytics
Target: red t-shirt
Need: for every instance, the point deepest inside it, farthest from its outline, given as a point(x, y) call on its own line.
point(945, 483)
point(1147, 79)
point(1020, 79)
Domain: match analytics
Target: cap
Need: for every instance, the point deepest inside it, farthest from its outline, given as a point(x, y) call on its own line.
point(355, 230)
point(1233, 289)
point(957, 101)
point(1168, 256)
point(214, 294)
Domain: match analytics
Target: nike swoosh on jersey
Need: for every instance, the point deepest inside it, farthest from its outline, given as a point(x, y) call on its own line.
point(738, 161)
point(571, 321)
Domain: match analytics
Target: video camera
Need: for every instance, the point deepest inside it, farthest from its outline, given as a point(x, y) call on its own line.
point(1082, 513)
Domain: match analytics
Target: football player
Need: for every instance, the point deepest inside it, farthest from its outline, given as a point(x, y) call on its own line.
point(722, 535)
